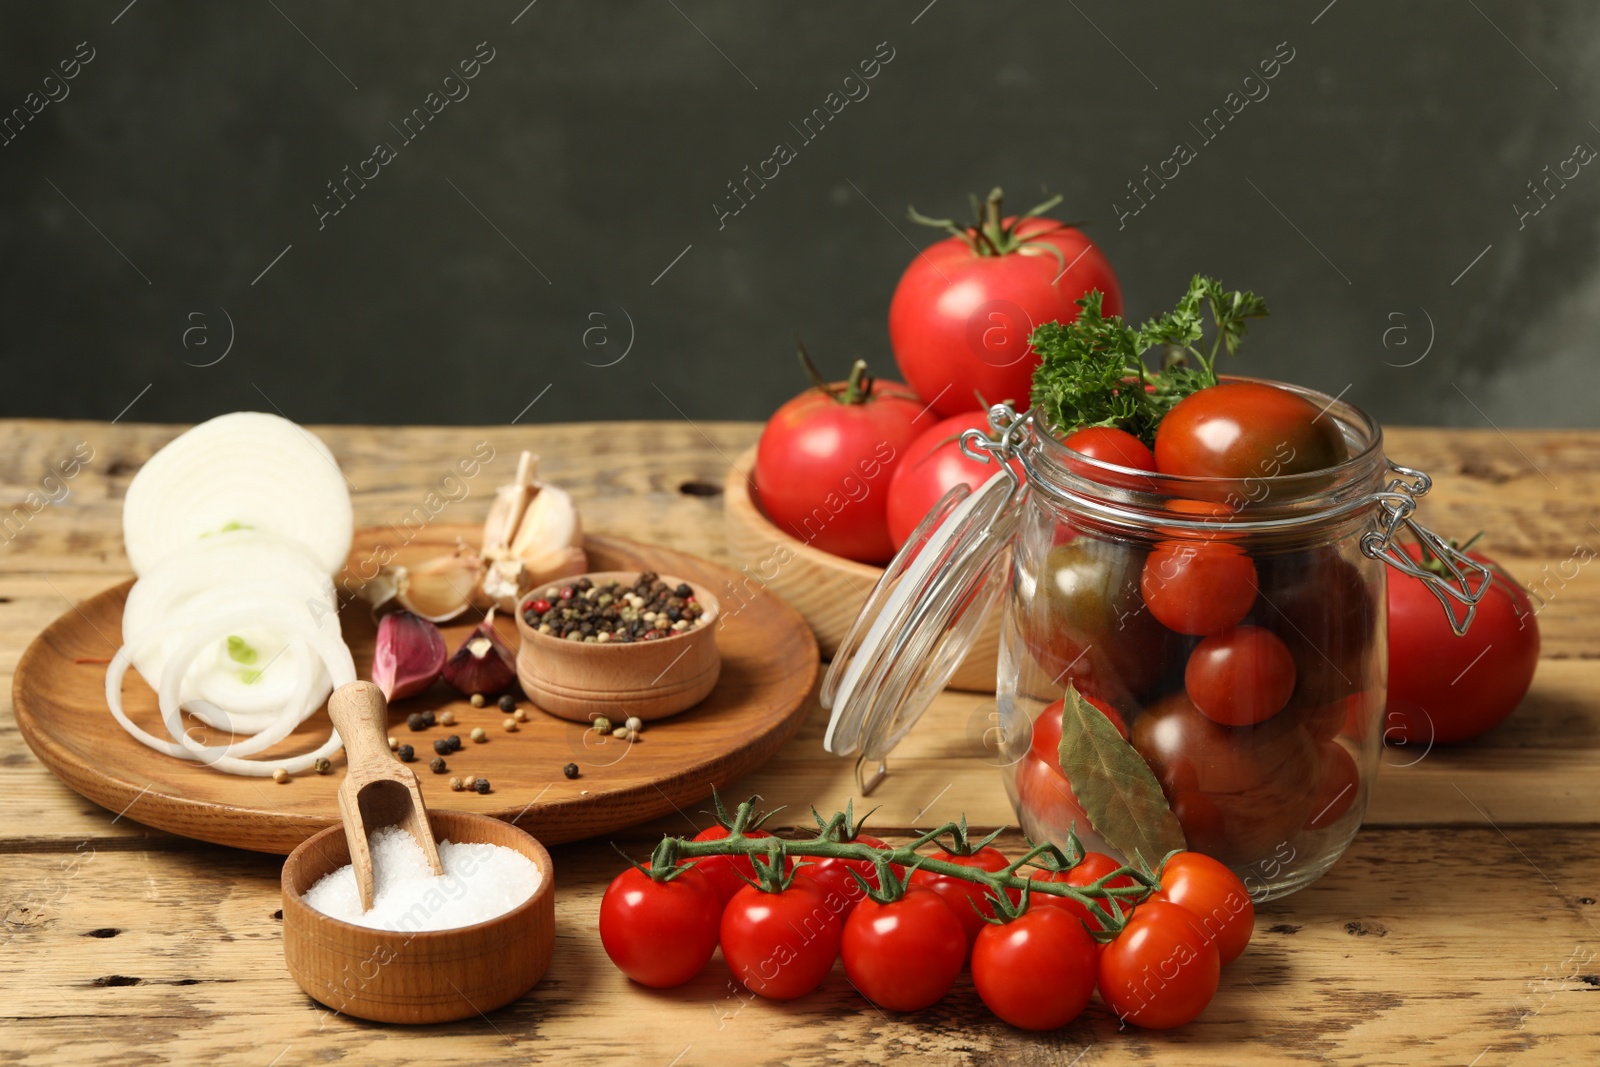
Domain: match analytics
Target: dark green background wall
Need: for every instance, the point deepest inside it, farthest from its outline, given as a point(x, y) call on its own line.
point(189, 152)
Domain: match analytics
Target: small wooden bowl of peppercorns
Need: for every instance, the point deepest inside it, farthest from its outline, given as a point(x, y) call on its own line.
point(619, 644)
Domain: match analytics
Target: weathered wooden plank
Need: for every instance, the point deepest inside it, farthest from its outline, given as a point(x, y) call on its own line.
point(1402, 954)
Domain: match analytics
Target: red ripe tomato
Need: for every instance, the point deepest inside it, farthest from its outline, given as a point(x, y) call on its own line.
point(839, 888)
point(1162, 970)
point(1247, 430)
point(966, 899)
point(780, 945)
point(932, 466)
point(904, 956)
point(1037, 971)
point(1241, 676)
point(1107, 444)
point(1198, 587)
point(1045, 801)
point(1338, 782)
point(1444, 688)
point(824, 464)
point(723, 872)
point(1214, 895)
point(961, 315)
point(660, 934)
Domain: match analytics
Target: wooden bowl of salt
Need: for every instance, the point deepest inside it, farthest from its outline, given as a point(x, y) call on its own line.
point(413, 971)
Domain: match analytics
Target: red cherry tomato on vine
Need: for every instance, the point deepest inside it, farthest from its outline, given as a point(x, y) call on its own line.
point(1241, 676)
point(660, 934)
point(1444, 688)
point(1161, 971)
point(1090, 869)
point(831, 875)
point(961, 315)
point(932, 466)
point(723, 871)
point(1247, 430)
point(1198, 587)
point(904, 956)
point(1037, 971)
point(780, 945)
point(1107, 444)
point(824, 464)
point(1214, 895)
point(966, 899)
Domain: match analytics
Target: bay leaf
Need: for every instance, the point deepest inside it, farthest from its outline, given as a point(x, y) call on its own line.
point(1114, 785)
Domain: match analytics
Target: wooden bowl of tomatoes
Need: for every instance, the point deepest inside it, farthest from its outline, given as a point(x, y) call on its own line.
point(827, 589)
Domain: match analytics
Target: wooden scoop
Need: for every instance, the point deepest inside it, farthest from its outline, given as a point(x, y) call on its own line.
point(378, 790)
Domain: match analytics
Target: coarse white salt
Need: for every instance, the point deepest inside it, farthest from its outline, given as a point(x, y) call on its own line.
point(480, 881)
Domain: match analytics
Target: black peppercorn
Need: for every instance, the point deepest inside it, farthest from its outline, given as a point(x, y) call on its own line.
point(416, 721)
point(683, 590)
point(428, 717)
point(454, 741)
point(570, 770)
point(508, 703)
point(482, 786)
point(442, 747)
point(438, 765)
point(406, 753)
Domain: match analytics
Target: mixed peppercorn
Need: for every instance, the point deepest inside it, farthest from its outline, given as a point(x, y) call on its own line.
point(647, 611)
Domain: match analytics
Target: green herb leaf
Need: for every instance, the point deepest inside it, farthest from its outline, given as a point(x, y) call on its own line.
point(1092, 371)
point(240, 651)
point(1122, 798)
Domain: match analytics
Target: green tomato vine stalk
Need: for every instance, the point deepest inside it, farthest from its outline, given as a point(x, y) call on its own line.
point(835, 838)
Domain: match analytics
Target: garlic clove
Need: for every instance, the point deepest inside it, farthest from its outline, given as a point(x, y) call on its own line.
point(549, 524)
point(409, 655)
point(483, 664)
point(510, 503)
point(439, 589)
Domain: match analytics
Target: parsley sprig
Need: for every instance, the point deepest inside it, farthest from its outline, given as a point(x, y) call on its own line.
point(1093, 370)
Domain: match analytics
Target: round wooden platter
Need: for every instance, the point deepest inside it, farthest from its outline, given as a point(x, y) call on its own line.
point(769, 667)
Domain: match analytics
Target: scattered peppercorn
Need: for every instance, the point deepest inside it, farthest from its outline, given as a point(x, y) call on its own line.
point(508, 702)
point(407, 754)
point(428, 717)
point(621, 731)
point(510, 725)
point(479, 734)
point(483, 785)
point(602, 725)
point(416, 721)
point(442, 747)
point(438, 765)
point(455, 784)
point(322, 765)
point(455, 742)
point(570, 770)
point(477, 700)
point(447, 718)
point(393, 744)
point(634, 723)
point(470, 782)
point(520, 715)
point(648, 610)
point(280, 776)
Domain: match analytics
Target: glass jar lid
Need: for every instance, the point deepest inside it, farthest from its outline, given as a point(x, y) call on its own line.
point(921, 619)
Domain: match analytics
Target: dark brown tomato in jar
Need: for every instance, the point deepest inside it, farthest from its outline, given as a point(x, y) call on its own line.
point(1238, 791)
point(1319, 604)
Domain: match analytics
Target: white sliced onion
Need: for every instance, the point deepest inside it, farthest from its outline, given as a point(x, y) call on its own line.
point(248, 469)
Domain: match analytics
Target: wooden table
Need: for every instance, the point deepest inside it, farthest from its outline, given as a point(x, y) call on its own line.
point(1460, 928)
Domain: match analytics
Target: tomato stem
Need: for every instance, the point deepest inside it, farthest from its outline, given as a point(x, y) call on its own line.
point(1109, 904)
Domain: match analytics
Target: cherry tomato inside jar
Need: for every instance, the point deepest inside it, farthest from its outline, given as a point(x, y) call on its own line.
point(1247, 430)
point(1338, 782)
point(1198, 587)
point(1241, 676)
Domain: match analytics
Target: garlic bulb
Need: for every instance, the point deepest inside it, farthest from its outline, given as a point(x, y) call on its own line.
point(533, 535)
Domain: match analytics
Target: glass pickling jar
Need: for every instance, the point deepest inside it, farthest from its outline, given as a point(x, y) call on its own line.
point(1216, 645)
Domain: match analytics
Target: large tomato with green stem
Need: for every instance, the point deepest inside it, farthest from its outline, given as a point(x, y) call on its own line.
point(1444, 688)
point(826, 457)
point(933, 465)
point(961, 315)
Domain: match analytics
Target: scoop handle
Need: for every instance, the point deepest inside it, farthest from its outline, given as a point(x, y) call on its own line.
point(361, 714)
